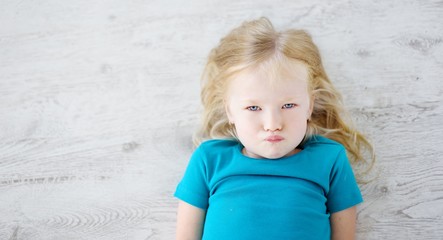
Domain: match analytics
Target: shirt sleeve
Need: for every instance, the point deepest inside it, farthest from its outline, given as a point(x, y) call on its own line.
point(343, 190)
point(193, 187)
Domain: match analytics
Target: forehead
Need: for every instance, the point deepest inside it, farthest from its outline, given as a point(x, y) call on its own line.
point(278, 69)
point(284, 77)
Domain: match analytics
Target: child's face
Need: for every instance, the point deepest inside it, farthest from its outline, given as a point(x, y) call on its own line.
point(270, 118)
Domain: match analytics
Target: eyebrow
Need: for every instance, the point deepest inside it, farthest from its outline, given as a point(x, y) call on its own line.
point(253, 100)
point(290, 99)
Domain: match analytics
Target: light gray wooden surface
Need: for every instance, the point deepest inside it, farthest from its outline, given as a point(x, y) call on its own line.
point(99, 99)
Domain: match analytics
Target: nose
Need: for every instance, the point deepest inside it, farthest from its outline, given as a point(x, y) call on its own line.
point(272, 121)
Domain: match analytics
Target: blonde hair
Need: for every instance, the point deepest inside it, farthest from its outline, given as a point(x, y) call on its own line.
point(254, 43)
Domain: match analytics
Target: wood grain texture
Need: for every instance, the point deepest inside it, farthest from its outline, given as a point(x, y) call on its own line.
point(99, 99)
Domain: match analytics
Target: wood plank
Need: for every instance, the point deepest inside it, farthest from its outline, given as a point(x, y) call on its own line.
point(99, 100)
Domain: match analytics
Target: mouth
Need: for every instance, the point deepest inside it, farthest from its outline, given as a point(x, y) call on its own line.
point(274, 138)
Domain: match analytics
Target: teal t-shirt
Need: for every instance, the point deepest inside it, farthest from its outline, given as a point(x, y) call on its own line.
point(287, 198)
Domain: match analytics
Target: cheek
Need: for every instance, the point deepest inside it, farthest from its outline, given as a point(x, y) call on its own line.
point(246, 123)
point(297, 119)
point(305, 112)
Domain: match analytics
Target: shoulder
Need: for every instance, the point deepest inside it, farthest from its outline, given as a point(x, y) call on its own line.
point(214, 148)
point(215, 155)
point(325, 150)
point(321, 142)
point(218, 144)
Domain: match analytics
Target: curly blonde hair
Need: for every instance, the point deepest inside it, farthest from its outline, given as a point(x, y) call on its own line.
point(254, 43)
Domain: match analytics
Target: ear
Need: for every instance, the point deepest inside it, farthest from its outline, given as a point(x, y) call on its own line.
point(311, 106)
point(228, 112)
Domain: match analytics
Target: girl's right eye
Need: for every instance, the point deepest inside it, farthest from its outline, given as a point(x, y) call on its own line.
point(253, 108)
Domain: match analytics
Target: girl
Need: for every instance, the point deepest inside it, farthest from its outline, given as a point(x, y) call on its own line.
point(276, 165)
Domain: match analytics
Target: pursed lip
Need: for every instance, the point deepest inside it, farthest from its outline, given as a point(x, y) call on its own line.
point(274, 138)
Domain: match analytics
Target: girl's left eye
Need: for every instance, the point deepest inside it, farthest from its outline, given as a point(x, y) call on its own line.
point(288, 105)
point(253, 108)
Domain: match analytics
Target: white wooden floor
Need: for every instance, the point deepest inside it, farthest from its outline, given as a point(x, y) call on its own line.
point(99, 99)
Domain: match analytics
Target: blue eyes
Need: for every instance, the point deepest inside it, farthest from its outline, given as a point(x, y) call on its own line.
point(285, 106)
point(288, 105)
point(253, 108)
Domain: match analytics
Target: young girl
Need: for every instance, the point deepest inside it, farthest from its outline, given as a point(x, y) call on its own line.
point(276, 165)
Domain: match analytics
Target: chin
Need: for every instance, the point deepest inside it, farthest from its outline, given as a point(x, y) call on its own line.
point(275, 156)
point(281, 154)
